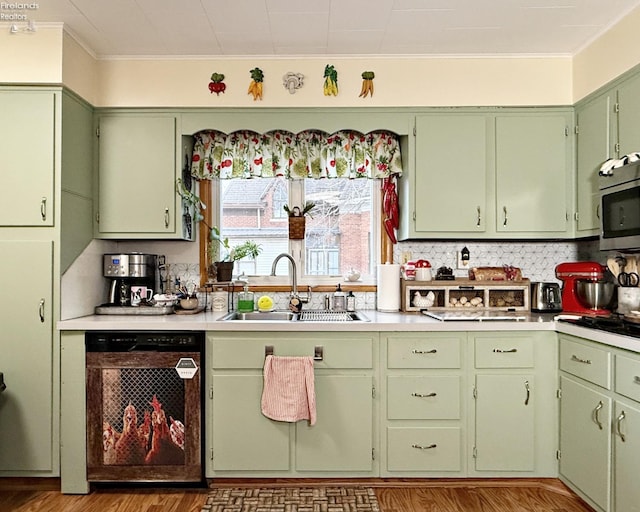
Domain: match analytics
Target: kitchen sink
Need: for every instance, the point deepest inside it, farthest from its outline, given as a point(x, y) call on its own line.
point(288, 316)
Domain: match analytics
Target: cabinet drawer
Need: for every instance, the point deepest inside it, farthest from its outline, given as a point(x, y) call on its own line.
point(248, 351)
point(423, 449)
point(508, 352)
point(628, 377)
point(423, 397)
point(587, 362)
point(441, 351)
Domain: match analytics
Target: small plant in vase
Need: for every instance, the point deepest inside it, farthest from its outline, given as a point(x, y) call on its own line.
point(297, 219)
point(224, 265)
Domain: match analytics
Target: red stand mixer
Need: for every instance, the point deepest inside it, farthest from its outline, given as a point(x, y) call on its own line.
point(572, 272)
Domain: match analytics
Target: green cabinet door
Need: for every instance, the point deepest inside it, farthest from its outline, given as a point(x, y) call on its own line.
point(626, 466)
point(26, 356)
point(533, 161)
point(505, 431)
point(137, 176)
point(243, 439)
point(628, 115)
point(585, 440)
point(450, 173)
point(342, 438)
point(27, 157)
point(593, 148)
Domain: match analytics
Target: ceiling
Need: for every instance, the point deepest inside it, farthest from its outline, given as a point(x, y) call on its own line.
point(234, 28)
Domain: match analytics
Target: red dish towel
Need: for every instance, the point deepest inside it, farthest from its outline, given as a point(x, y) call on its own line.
point(289, 390)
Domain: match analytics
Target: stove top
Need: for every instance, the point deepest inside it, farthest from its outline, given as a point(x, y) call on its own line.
point(615, 324)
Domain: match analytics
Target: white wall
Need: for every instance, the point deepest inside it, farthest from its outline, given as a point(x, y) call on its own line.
point(607, 57)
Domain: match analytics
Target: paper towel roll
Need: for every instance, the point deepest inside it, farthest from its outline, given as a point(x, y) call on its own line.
point(388, 287)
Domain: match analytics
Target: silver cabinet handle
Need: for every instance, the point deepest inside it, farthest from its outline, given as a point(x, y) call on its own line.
point(503, 351)
point(526, 387)
point(622, 216)
point(422, 395)
point(420, 447)
point(479, 217)
point(166, 217)
point(41, 310)
point(598, 211)
point(619, 427)
point(43, 208)
point(416, 351)
point(580, 360)
point(596, 414)
point(504, 210)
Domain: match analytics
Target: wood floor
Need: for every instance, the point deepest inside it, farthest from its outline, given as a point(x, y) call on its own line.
point(520, 495)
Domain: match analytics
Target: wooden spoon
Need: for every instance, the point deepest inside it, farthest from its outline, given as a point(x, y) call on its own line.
point(612, 264)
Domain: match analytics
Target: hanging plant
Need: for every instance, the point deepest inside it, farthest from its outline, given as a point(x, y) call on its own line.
point(367, 84)
point(217, 85)
point(330, 87)
point(255, 87)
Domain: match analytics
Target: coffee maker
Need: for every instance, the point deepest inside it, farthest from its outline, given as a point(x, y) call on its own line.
point(127, 270)
point(572, 272)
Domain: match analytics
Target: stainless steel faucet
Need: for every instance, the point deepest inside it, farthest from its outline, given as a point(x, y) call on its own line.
point(294, 271)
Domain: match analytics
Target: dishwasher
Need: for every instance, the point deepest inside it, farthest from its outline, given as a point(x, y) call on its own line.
point(145, 406)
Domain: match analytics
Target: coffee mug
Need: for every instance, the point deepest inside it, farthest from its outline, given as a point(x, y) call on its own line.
point(139, 294)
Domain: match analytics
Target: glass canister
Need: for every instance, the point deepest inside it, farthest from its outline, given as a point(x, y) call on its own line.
point(245, 300)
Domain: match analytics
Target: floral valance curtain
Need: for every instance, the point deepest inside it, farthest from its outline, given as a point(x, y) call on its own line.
point(308, 154)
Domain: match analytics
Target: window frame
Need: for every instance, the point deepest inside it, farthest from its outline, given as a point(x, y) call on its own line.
point(210, 194)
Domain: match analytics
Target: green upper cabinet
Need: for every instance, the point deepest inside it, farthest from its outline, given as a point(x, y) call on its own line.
point(451, 156)
point(533, 164)
point(593, 146)
point(628, 109)
point(27, 142)
point(483, 174)
point(137, 171)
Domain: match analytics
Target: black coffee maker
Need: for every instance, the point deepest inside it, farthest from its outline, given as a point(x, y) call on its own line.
point(127, 270)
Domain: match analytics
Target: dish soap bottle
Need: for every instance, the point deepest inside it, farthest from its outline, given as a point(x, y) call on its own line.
point(338, 299)
point(245, 300)
point(351, 302)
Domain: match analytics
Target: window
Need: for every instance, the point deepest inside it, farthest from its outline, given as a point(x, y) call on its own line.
point(339, 235)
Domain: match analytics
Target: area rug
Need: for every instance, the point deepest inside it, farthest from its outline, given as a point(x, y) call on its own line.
point(292, 499)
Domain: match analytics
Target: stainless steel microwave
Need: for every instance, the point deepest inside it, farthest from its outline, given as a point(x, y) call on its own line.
point(620, 208)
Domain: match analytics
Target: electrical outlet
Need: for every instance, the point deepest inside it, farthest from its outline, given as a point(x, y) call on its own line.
point(463, 264)
point(405, 256)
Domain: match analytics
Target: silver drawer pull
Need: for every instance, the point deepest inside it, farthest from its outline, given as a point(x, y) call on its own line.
point(167, 217)
point(420, 447)
point(416, 351)
point(619, 427)
point(422, 395)
point(507, 351)
point(596, 414)
point(43, 208)
point(41, 310)
point(580, 360)
point(526, 387)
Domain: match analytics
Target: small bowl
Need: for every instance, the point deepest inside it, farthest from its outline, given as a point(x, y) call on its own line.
point(189, 303)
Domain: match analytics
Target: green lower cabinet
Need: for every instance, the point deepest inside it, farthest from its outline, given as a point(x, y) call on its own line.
point(424, 449)
point(585, 440)
point(244, 439)
point(505, 436)
point(341, 439)
point(626, 465)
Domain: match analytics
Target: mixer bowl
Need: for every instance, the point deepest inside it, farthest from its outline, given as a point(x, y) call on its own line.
point(595, 294)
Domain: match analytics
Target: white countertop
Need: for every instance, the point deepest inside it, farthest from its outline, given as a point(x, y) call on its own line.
point(379, 322)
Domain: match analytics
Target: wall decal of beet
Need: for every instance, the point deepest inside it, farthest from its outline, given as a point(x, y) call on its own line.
point(217, 85)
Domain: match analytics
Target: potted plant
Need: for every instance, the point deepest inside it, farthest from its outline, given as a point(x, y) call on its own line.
point(297, 219)
point(223, 265)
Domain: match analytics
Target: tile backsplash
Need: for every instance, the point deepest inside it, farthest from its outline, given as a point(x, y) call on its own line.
point(83, 285)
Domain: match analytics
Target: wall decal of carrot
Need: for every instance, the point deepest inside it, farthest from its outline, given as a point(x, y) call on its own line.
point(367, 84)
point(255, 87)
